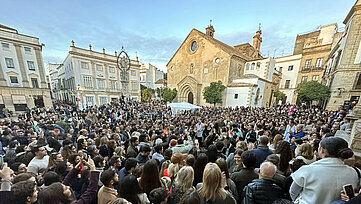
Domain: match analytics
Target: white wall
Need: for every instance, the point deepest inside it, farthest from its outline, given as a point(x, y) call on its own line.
point(261, 86)
point(285, 62)
point(242, 99)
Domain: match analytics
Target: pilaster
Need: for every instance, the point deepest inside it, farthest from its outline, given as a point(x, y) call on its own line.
point(39, 61)
point(21, 64)
point(2, 78)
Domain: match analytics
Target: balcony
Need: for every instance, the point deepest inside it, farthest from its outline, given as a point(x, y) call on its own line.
point(311, 68)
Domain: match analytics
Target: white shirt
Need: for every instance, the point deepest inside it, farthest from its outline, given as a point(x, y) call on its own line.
point(38, 165)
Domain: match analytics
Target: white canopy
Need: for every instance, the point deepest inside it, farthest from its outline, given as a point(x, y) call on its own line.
point(179, 107)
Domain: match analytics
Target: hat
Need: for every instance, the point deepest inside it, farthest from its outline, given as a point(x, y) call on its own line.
point(177, 158)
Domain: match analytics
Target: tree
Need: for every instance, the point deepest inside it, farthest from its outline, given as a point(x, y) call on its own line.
point(169, 94)
point(147, 94)
point(213, 93)
point(280, 96)
point(312, 91)
point(159, 92)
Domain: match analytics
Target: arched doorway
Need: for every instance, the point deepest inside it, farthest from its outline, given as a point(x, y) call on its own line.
point(190, 97)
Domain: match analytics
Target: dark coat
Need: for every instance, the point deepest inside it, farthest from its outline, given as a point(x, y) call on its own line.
point(242, 178)
point(261, 154)
point(262, 191)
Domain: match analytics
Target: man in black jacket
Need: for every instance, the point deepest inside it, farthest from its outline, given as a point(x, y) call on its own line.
point(263, 190)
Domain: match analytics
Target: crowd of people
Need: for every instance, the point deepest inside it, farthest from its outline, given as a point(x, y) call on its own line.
point(133, 152)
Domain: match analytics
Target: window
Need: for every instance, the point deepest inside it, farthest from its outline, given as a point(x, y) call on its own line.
point(319, 62)
point(99, 67)
point(113, 85)
point(101, 83)
point(247, 66)
point(111, 69)
point(14, 80)
point(9, 63)
point(5, 46)
point(27, 50)
point(89, 100)
point(315, 77)
point(304, 78)
point(258, 65)
point(31, 65)
point(205, 71)
point(252, 66)
point(191, 69)
point(290, 68)
point(287, 84)
point(358, 84)
point(34, 82)
point(281, 69)
point(134, 73)
point(103, 100)
point(88, 81)
point(84, 65)
point(134, 85)
point(235, 96)
point(308, 63)
point(194, 46)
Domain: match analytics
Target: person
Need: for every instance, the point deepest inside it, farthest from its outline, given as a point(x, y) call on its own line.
point(107, 193)
point(40, 162)
point(149, 178)
point(182, 148)
point(133, 194)
point(143, 155)
point(220, 148)
point(235, 163)
point(24, 192)
point(263, 190)
point(18, 168)
point(246, 174)
point(159, 196)
point(61, 192)
point(284, 151)
point(305, 152)
point(251, 136)
point(115, 163)
point(276, 139)
point(262, 150)
point(158, 153)
point(181, 184)
point(298, 134)
point(199, 166)
point(212, 189)
point(231, 187)
point(310, 181)
point(290, 129)
point(132, 150)
point(278, 178)
point(129, 166)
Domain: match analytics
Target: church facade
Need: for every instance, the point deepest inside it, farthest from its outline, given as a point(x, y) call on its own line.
point(202, 59)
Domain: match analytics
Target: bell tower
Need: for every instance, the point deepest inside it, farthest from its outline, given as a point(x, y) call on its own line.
point(257, 39)
point(210, 30)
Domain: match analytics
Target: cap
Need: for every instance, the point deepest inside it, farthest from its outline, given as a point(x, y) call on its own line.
point(178, 158)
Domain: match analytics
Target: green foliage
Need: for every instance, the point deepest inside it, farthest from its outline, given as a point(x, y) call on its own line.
point(169, 94)
point(312, 91)
point(279, 95)
point(147, 94)
point(213, 93)
point(142, 87)
point(159, 92)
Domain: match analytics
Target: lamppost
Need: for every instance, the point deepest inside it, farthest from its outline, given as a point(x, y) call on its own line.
point(123, 64)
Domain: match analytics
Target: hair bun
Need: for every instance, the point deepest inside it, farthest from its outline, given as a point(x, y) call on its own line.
point(345, 153)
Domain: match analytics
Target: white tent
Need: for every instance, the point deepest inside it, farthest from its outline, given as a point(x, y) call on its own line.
point(180, 107)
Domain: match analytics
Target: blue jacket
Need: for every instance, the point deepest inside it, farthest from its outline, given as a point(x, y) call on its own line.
point(122, 173)
point(261, 154)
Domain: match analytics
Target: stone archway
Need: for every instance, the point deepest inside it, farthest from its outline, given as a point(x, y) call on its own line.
point(190, 97)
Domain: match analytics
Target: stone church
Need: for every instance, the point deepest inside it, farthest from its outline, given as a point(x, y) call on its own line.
point(202, 59)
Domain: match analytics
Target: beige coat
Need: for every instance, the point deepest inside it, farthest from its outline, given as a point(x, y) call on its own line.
point(106, 195)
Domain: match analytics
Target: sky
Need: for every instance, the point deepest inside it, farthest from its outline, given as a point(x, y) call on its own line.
point(154, 29)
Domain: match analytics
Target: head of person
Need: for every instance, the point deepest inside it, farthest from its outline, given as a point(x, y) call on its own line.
point(50, 177)
point(56, 193)
point(144, 150)
point(237, 156)
point(24, 177)
point(212, 153)
point(130, 194)
point(190, 160)
point(335, 147)
point(200, 163)
point(130, 164)
point(40, 151)
point(222, 164)
point(158, 196)
point(149, 178)
point(109, 177)
point(99, 161)
point(297, 163)
point(18, 168)
point(74, 159)
point(212, 183)
point(267, 170)
point(179, 159)
point(25, 192)
point(115, 162)
point(263, 140)
point(220, 146)
point(305, 150)
point(274, 159)
point(134, 141)
point(249, 159)
point(285, 152)
point(184, 178)
point(242, 145)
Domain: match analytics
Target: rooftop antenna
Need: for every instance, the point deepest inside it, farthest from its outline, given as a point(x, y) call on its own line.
point(210, 22)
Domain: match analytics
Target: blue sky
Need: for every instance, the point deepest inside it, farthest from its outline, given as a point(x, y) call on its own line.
point(156, 28)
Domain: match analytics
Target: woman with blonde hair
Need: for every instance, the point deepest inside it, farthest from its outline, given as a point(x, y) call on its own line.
point(276, 139)
point(182, 182)
point(213, 187)
point(305, 152)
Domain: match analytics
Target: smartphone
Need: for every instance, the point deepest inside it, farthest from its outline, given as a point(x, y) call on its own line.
point(1, 162)
point(349, 190)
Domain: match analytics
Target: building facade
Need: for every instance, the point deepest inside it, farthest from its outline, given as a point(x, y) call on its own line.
point(91, 78)
point(151, 76)
point(343, 73)
point(289, 67)
point(52, 78)
point(22, 74)
point(315, 48)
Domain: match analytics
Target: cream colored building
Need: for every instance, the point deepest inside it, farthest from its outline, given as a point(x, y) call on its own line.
point(89, 78)
point(22, 74)
point(343, 73)
point(289, 67)
point(202, 59)
point(151, 76)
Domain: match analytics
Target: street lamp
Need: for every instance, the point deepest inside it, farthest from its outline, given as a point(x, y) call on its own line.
point(123, 64)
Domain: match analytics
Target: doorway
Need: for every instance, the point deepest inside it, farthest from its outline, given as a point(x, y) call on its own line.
point(190, 97)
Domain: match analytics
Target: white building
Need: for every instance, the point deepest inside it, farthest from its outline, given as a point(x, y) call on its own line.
point(255, 87)
point(289, 66)
point(53, 78)
point(92, 78)
point(22, 74)
point(149, 75)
